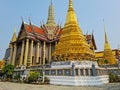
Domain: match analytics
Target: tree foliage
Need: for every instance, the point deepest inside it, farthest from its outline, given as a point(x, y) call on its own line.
point(17, 77)
point(33, 76)
point(106, 61)
point(8, 70)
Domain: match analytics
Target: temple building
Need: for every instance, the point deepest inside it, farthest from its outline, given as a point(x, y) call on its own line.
point(64, 55)
point(108, 56)
point(34, 46)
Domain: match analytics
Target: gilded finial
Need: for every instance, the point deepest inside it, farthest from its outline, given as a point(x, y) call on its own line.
point(106, 39)
point(107, 45)
point(70, 5)
point(14, 38)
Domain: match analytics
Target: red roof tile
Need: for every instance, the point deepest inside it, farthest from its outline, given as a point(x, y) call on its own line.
point(35, 28)
point(38, 30)
point(28, 28)
point(60, 32)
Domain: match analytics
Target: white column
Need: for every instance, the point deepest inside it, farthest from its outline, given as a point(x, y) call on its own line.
point(44, 46)
point(37, 52)
point(14, 54)
point(31, 52)
point(26, 52)
point(50, 52)
point(11, 54)
point(89, 73)
point(78, 72)
point(22, 52)
point(84, 72)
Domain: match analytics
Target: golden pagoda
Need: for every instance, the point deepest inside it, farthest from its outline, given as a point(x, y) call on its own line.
point(108, 56)
point(72, 44)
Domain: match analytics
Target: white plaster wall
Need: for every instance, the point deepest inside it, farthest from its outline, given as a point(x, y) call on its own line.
point(79, 80)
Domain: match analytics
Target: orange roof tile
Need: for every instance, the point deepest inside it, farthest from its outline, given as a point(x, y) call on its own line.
point(35, 28)
point(60, 32)
point(28, 28)
point(38, 30)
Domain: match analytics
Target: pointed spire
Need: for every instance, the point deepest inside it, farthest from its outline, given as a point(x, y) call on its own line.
point(30, 21)
point(14, 36)
point(51, 2)
point(71, 16)
point(107, 45)
point(70, 5)
point(108, 54)
point(106, 39)
point(51, 18)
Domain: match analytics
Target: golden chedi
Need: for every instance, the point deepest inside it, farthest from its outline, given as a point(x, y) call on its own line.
point(108, 56)
point(72, 44)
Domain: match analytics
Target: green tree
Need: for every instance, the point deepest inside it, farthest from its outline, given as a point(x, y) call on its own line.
point(33, 76)
point(7, 71)
point(106, 61)
point(17, 77)
point(98, 61)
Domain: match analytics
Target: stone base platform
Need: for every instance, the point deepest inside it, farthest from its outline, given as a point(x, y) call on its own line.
point(79, 80)
point(77, 73)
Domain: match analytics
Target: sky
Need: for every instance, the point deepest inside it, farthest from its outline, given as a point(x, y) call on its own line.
point(90, 14)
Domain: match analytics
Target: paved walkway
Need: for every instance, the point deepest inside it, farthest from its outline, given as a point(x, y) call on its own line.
point(17, 86)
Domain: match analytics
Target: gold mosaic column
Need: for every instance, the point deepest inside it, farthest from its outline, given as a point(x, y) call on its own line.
point(37, 52)
point(44, 46)
point(50, 52)
point(26, 52)
point(31, 52)
point(14, 54)
point(22, 52)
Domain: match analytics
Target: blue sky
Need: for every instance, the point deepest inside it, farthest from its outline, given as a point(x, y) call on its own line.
point(90, 14)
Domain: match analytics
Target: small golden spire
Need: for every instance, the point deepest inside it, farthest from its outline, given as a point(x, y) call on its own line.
point(108, 54)
point(107, 45)
point(14, 36)
point(106, 39)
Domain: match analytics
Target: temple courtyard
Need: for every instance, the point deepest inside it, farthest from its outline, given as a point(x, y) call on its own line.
point(19, 86)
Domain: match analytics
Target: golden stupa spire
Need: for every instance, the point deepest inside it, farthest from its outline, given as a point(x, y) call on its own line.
point(14, 36)
point(51, 18)
point(70, 5)
point(106, 45)
point(71, 16)
point(108, 54)
point(72, 44)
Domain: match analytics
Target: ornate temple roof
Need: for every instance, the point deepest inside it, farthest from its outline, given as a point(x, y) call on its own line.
point(35, 28)
point(91, 39)
point(35, 32)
